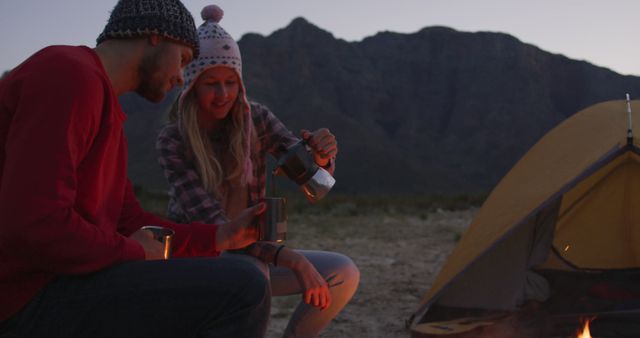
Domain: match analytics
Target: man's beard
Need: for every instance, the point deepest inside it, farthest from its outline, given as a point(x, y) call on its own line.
point(151, 86)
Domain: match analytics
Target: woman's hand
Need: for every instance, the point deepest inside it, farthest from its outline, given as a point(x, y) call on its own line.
point(316, 289)
point(323, 143)
point(239, 232)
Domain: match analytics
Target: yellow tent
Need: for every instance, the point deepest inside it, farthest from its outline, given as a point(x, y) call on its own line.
point(568, 204)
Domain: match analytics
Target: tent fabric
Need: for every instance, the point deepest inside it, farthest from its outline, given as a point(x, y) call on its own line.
point(582, 163)
point(585, 232)
point(527, 247)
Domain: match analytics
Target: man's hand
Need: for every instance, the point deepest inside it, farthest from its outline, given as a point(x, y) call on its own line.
point(323, 143)
point(239, 232)
point(153, 249)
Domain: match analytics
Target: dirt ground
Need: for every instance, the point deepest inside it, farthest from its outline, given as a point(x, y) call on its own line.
point(398, 256)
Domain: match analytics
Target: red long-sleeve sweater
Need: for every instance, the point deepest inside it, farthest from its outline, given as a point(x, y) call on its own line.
point(66, 205)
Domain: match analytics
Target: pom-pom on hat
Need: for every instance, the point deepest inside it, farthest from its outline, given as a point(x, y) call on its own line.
point(139, 18)
point(212, 12)
point(217, 48)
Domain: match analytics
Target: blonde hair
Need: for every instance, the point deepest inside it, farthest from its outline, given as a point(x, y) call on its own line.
point(200, 148)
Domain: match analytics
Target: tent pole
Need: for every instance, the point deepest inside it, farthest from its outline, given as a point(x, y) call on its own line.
point(630, 126)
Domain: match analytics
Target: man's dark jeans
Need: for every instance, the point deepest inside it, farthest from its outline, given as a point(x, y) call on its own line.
point(195, 297)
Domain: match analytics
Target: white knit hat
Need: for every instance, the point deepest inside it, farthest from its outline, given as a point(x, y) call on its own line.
point(217, 48)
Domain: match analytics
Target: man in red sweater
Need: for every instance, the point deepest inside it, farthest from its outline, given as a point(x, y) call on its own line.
point(73, 260)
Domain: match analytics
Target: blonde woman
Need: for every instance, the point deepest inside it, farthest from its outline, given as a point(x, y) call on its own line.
point(213, 155)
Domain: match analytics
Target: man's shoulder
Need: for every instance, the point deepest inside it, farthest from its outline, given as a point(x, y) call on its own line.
point(68, 61)
point(67, 72)
point(65, 53)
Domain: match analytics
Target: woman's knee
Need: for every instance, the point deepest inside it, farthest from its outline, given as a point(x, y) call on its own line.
point(350, 272)
point(341, 270)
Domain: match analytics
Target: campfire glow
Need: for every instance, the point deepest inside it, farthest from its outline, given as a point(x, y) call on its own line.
point(585, 330)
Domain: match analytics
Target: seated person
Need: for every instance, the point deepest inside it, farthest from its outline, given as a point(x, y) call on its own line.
point(213, 155)
point(73, 260)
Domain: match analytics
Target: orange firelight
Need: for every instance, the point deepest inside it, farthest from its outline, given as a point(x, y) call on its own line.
point(586, 333)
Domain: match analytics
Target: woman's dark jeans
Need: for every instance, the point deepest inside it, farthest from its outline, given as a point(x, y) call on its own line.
point(194, 297)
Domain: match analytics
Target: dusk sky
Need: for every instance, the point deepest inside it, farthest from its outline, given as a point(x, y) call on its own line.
point(604, 33)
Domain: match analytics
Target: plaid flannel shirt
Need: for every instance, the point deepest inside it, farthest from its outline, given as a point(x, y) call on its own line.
point(189, 201)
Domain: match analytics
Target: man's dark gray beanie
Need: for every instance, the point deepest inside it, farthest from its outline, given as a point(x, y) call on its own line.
point(139, 18)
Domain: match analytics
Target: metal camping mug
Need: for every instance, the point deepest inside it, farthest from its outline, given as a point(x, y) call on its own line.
point(162, 235)
point(272, 226)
